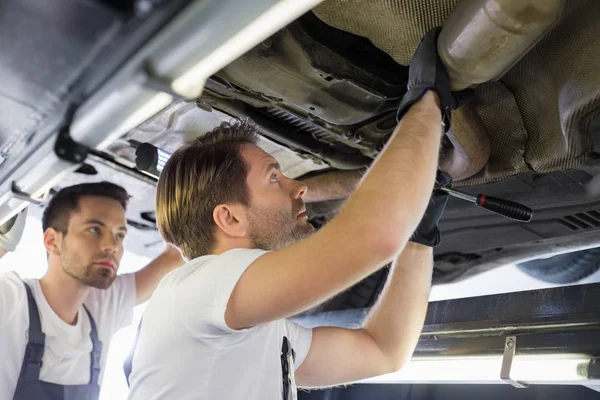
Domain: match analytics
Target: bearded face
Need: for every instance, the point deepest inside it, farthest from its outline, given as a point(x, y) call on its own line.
point(275, 228)
point(95, 270)
point(92, 247)
point(276, 214)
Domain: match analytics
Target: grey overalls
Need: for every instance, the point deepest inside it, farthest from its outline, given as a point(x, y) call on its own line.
point(29, 386)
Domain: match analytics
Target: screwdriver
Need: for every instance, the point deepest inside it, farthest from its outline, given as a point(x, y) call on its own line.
point(505, 208)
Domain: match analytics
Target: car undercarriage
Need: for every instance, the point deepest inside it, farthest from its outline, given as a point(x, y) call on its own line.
point(323, 90)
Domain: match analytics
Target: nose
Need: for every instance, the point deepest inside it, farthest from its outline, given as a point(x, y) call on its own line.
point(110, 244)
point(299, 189)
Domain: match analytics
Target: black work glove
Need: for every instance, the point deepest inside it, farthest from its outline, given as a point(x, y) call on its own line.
point(427, 232)
point(427, 72)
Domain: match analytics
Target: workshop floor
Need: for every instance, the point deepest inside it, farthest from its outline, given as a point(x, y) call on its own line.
point(29, 260)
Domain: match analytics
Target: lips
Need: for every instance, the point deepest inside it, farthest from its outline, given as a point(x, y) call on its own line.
point(302, 213)
point(107, 264)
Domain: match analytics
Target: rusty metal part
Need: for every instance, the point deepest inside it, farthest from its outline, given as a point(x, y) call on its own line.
point(482, 39)
point(471, 145)
point(330, 185)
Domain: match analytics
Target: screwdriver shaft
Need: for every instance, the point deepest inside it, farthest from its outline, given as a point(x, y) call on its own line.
point(460, 195)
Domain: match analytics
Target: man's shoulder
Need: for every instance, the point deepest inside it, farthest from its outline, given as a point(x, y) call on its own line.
point(12, 280)
point(216, 262)
point(13, 298)
point(207, 282)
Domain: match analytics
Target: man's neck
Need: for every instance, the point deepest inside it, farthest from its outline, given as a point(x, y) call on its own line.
point(64, 294)
point(226, 244)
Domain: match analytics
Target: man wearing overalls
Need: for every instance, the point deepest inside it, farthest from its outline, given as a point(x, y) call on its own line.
point(55, 331)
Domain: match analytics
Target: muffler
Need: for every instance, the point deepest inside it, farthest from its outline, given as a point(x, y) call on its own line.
point(482, 39)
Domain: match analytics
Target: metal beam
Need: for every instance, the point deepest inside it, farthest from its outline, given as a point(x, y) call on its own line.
point(556, 320)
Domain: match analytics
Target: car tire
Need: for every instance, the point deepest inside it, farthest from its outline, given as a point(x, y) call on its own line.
point(564, 268)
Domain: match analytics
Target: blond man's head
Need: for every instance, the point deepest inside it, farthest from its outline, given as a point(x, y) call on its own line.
point(223, 191)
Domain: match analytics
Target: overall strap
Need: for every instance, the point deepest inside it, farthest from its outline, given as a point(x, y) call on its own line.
point(34, 352)
point(96, 350)
point(128, 363)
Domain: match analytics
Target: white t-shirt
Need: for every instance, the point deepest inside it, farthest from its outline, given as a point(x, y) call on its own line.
point(187, 351)
point(66, 358)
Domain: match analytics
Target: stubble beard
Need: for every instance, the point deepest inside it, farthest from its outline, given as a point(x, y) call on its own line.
point(276, 230)
point(86, 274)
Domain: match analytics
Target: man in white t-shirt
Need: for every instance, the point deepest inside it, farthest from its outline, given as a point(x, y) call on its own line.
point(56, 331)
point(216, 328)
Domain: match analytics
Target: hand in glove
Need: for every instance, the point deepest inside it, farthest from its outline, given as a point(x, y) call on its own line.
point(427, 232)
point(427, 72)
point(12, 231)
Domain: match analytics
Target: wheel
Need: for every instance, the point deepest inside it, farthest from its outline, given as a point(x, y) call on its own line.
point(564, 268)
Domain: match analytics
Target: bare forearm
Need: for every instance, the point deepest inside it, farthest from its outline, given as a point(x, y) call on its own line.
point(396, 321)
point(148, 278)
point(396, 190)
point(331, 185)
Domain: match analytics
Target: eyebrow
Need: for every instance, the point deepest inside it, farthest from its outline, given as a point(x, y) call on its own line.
point(98, 222)
point(273, 165)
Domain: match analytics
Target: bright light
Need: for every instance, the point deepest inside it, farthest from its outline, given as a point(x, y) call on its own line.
point(163, 157)
point(540, 369)
point(191, 83)
point(151, 107)
point(486, 369)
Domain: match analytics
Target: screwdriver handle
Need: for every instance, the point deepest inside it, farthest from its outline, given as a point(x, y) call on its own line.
point(506, 208)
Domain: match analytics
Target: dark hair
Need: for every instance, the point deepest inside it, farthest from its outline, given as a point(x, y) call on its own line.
point(197, 177)
point(58, 211)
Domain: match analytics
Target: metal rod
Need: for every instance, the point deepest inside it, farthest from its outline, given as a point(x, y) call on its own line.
point(460, 195)
point(503, 329)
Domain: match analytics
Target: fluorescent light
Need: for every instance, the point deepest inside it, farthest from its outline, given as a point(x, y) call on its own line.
point(191, 83)
point(486, 369)
point(155, 104)
point(163, 157)
point(540, 369)
point(100, 123)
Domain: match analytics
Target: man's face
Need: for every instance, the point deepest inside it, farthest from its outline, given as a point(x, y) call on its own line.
point(93, 246)
point(277, 214)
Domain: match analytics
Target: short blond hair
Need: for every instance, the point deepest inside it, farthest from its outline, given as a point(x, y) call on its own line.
point(199, 176)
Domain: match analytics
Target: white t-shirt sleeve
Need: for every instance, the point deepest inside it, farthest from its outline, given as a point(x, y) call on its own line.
point(301, 338)
point(12, 293)
point(202, 297)
point(112, 308)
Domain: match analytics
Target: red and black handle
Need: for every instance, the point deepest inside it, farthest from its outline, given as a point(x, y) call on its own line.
point(506, 208)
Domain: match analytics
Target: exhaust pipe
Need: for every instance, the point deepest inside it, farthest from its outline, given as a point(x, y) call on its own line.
point(482, 39)
point(479, 42)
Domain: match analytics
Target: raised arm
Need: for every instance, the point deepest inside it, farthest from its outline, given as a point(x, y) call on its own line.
point(389, 335)
point(371, 229)
point(392, 328)
point(376, 221)
point(148, 278)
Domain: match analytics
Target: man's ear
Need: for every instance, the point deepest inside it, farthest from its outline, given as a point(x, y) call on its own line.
point(231, 219)
point(52, 241)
